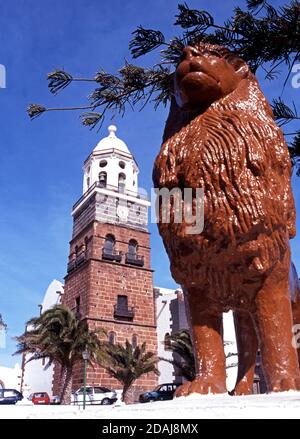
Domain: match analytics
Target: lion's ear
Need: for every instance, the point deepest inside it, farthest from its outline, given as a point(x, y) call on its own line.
point(239, 65)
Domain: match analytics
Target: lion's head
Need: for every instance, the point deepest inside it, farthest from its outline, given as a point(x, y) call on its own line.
point(207, 73)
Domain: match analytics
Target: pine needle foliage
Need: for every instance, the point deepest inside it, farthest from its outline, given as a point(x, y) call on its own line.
point(265, 36)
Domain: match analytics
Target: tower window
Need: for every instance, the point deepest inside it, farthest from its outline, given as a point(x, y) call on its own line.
point(109, 244)
point(102, 179)
point(88, 182)
point(112, 337)
point(121, 183)
point(108, 252)
point(132, 247)
point(132, 257)
point(122, 164)
point(121, 309)
point(77, 307)
point(134, 341)
point(86, 245)
point(122, 302)
point(103, 163)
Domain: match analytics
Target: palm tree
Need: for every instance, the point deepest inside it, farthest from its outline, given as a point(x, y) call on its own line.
point(58, 336)
point(180, 344)
point(126, 364)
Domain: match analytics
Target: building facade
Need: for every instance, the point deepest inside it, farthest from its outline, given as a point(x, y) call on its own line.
point(109, 275)
point(171, 318)
point(10, 377)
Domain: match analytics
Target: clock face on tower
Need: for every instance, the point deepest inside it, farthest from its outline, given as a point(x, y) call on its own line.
point(122, 212)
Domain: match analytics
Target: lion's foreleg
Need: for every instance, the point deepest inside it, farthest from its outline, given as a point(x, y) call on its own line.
point(274, 323)
point(207, 327)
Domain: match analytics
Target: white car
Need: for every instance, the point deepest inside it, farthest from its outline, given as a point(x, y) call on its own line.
point(94, 395)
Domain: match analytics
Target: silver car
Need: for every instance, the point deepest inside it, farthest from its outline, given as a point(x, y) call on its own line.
point(95, 395)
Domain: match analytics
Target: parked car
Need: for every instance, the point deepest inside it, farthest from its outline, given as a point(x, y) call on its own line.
point(162, 392)
point(10, 396)
point(55, 400)
point(39, 398)
point(95, 395)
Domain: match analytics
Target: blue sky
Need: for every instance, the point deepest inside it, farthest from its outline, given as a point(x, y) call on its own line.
point(41, 161)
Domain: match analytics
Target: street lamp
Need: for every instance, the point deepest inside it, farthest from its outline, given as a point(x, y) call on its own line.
point(86, 357)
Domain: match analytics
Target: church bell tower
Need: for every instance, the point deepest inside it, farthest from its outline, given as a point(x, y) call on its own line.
point(109, 276)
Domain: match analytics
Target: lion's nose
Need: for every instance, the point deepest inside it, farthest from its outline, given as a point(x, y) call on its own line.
point(189, 52)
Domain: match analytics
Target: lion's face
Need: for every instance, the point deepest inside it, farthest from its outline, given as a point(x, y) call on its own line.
point(205, 75)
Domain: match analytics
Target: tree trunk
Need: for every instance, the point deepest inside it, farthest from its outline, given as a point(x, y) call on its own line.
point(65, 396)
point(127, 394)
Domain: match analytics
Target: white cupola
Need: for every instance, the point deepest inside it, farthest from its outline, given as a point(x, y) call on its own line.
point(111, 165)
point(110, 188)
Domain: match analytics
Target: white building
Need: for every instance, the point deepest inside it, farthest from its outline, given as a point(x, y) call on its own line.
point(35, 377)
point(171, 317)
point(10, 377)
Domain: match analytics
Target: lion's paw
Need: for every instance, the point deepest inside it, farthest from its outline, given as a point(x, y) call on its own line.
point(202, 386)
point(285, 383)
point(243, 387)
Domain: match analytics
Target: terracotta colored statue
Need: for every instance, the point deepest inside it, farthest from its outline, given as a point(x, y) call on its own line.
point(295, 297)
point(220, 136)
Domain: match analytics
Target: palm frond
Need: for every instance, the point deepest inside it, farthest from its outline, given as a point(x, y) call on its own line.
point(182, 368)
point(180, 344)
point(58, 336)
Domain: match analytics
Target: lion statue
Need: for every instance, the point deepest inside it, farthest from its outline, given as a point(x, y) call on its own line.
point(220, 136)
